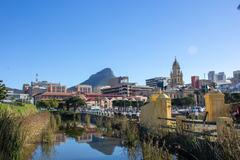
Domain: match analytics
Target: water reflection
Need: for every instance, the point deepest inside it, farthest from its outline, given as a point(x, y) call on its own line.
point(84, 138)
point(86, 147)
point(75, 141)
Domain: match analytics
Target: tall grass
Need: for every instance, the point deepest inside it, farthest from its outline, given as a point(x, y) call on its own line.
point(48, 137)
point(229, 145)
point(154, 152)
point(11, 138)
point(21, 110)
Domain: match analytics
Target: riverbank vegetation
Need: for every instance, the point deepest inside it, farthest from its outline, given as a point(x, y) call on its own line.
point(20, 126)
point(18, 110)
point(188, 145)
point(163, 144)
point(11, 139)
point(232, 97)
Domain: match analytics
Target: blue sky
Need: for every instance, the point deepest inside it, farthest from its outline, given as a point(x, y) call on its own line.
point(68, 40)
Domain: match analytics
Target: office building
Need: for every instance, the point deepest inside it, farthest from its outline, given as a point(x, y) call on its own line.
point(195, 82)
point(212, 76)
point(128, 89)
point(118, 80)
point(80, 89)
point(56, 87)
point(158, 82)
point(236, 77)
point(217, 77)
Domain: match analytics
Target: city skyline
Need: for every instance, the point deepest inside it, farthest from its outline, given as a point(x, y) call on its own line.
point(67, 42)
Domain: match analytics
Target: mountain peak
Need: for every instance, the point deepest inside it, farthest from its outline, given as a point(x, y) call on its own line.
point(101, 78)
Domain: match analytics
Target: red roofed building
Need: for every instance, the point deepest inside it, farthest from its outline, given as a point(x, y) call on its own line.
point(106, 100)
point(52, 95)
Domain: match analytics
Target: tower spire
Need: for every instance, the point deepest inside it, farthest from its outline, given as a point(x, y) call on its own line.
point(37, 77)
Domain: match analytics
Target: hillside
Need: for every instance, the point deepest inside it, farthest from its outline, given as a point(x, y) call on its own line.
point(101, 78)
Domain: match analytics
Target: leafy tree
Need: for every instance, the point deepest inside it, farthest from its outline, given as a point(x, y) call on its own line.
point(61, 105)
point(177, 102)
point(42, 104)
point(75, 102)
point(3, 91)
point(186, 101)
point(127, 103)
point(50, 103)
point(232, 97)
point(53, 103)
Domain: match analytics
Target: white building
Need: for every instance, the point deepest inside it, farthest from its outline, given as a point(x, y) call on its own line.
point(17, 97)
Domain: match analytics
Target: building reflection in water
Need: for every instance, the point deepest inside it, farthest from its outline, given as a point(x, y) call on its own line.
point(104, 145)
point(60, 138)
point(95, 140)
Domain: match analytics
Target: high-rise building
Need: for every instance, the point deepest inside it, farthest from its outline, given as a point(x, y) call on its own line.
point(195, 82)
point(128, 89)
point(43, 84)
point(56, 88)
point(158, 82)
point(212, 76)
point(36, 87)
point(221, 77)
point(80, 89)
point(176, 74)
point(236, 77)
point(236, 74)
point(118, 80)
point(217, 77)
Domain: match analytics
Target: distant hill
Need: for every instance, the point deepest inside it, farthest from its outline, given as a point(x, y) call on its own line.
point(100, 78)
point(18, 91)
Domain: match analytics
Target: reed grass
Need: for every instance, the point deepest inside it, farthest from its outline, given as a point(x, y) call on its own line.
point(11, 137)
point(18, 111)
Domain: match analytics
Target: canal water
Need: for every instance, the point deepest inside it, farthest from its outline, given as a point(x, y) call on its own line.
point(86, 147)
point(87, 138)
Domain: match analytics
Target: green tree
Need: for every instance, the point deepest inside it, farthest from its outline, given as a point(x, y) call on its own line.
point(75, 102)
point(232, 97)
point(127, 103)
point(186, 101)
point(42, 104)
point(3, 90)
point(52, 103)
